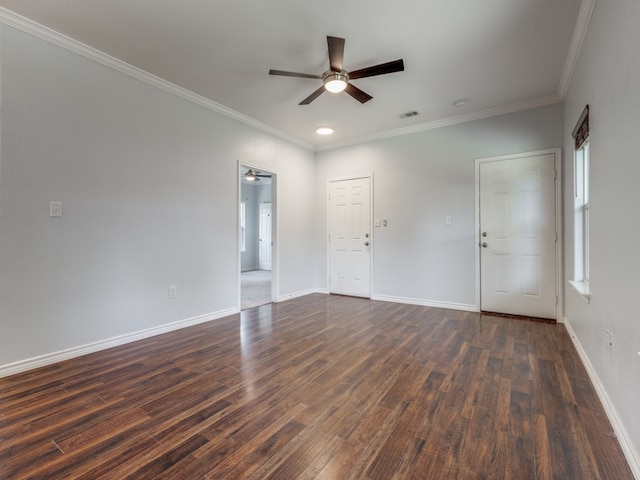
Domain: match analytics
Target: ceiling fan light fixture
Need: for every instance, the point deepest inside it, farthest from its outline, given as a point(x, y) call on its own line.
point(251, 176)
point(324, 130)
point(335, 82)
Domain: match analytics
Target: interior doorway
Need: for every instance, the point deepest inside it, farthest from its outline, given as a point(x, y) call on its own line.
point(256, 235)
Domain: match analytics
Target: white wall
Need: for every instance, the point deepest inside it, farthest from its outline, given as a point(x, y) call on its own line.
point(249, 258)
point(149, 185)
point(419, 179)
point(607, 78)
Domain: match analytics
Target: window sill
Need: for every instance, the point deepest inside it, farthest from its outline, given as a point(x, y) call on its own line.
point(583, 289)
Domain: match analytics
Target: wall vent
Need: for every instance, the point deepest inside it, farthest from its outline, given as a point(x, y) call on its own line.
point(408, 114)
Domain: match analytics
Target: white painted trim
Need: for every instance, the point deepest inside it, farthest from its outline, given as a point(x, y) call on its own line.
point(557, 152)
point(11, 19)
point(631, 454)
point(579, 32)
point(301, 293)
point(425, 303)
point(582, 288)
point(74, 352)
point(371, 236)
point(446, 122)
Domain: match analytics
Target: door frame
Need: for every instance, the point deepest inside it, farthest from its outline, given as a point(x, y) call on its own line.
point(328, 219)
point(275, 278)
point(557, 152)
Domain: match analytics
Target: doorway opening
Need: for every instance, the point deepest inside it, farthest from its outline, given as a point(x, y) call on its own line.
point(257, 213)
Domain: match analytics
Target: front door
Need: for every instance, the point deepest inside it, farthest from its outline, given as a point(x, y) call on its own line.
point(518, 235)
point(350, 237)
point(264, 237)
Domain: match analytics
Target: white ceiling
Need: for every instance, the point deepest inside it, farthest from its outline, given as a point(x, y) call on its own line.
point(498, 55)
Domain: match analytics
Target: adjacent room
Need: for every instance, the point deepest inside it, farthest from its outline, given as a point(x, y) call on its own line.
point(328, 241)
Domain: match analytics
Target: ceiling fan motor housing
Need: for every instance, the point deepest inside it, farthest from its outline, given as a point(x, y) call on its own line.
point(335, 81)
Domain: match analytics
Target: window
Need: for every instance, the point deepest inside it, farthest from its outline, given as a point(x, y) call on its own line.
point(581, 274)
point(582, 214)
point(242, 227)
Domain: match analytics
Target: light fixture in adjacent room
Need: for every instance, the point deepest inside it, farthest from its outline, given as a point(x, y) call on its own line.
point(335, 82)
point(251, 176)
point(324, 130)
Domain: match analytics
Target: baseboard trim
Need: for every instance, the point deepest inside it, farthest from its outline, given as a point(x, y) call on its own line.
point(74, 352)
point(631, 454)
point(426, 303)
point(301, 293)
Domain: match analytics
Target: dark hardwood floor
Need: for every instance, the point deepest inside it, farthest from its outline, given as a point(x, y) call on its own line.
point(320, 387)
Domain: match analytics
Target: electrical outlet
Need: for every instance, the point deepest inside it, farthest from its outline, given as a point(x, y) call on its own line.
point(55, 209)
point(608, 338)
point(173, 291)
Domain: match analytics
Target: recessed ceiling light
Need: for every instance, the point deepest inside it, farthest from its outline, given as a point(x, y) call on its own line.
point(324, 130)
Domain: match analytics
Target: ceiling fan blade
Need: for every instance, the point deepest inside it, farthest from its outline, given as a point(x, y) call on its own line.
point(336, 53)
point(382, 69)
point(312, 97)
point(293, 74)
point(355, 92)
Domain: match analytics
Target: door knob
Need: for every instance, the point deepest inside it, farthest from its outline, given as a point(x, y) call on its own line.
point(485, 244)
point(484, 234)
point(366, 244)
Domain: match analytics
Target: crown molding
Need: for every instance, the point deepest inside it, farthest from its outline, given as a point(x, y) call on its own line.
point(12, 19)
point(445, 122)
point(9, 18)
point(579, 32)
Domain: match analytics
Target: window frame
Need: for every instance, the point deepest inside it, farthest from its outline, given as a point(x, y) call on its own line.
point(582, 208)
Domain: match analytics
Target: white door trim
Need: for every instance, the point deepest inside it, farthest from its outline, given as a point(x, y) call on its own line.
point(275, 271)
point(557, 152)
point(328, 228)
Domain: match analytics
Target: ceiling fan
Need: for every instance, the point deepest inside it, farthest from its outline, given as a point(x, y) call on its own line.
point(254, 175)
point(336, 79)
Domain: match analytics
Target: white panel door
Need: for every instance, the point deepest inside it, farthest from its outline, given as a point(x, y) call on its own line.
point(264, 237)
point(518, 236)
point(350, 237)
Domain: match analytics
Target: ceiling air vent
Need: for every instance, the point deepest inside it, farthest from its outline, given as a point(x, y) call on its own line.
point(409, 114)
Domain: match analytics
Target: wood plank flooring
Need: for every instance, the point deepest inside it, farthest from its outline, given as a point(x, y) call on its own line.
point(320, 387)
